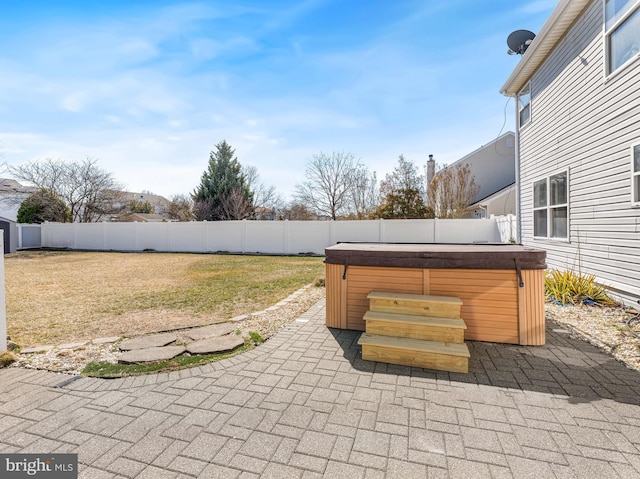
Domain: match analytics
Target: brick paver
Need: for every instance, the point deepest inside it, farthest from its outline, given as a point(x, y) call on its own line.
point(305, 404)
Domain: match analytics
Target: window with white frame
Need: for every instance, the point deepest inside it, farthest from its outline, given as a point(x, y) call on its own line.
point(622, 32)
point(524, 105)
point(635, 174)
point(551, 207)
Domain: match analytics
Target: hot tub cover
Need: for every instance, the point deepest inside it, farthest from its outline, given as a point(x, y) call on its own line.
point(440, 256)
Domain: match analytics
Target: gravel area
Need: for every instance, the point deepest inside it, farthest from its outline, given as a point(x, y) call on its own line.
point(266, 323)
point(603, 326)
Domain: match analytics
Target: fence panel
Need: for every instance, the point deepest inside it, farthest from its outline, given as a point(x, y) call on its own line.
point(407, 231)
point(225, 236)
point(359, 230)
point(307, 236)
point(507, 227)
point(271, 237)
point(466, 231)
point(59, 235)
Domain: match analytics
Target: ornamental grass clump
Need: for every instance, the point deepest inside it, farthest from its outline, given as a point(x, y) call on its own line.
point(569, 287)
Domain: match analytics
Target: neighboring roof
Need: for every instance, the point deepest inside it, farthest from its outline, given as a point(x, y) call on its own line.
point(506, 190)
point(8, 185)
point(143, 217)
point(156, 200)
point(562, 17)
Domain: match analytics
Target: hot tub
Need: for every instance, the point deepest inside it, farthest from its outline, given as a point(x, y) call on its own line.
point(501, 285)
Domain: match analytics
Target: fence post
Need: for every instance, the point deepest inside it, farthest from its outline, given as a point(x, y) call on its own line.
point(380, 231)
point(3, 310)
point(244, 236)
point(285, 233)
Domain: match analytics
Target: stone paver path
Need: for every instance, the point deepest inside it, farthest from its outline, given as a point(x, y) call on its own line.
point(305, 405)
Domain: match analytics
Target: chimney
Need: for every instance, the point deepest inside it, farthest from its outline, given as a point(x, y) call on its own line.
point(431, 170)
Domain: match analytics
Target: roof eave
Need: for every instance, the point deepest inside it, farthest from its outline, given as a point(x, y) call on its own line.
point(562, 17)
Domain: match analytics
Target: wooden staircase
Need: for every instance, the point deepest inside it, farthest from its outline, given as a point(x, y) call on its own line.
point(415, 330)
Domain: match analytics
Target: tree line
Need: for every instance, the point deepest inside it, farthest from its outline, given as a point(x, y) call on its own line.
point(336, 186)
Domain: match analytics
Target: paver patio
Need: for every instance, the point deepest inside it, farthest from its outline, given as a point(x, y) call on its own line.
point(305, 405)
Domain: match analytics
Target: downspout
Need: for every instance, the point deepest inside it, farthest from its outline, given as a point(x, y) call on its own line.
point(517, 160)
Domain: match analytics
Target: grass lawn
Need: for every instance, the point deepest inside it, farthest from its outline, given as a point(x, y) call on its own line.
point(59, 297)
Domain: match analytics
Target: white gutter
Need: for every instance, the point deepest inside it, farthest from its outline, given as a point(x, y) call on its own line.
point(562, 17)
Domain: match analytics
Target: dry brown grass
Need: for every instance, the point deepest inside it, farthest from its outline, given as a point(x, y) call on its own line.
point(58, 297)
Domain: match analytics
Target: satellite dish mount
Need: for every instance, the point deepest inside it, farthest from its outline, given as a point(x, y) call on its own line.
point(519, 41)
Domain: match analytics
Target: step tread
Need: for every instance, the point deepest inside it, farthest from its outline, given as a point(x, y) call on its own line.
point(453, 323)
point(414, 297)
point(437, 347)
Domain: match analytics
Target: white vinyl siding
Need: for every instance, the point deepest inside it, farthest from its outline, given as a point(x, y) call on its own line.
point(586, 124)
point(635, 175)
point(622, 32)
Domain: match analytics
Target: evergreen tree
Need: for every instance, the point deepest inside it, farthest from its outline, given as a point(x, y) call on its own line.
point(220, 183)
point(402, 193)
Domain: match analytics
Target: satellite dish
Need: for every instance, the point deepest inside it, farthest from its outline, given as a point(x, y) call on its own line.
point(519, 41)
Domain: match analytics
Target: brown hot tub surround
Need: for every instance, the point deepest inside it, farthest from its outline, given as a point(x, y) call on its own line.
point(501, 285)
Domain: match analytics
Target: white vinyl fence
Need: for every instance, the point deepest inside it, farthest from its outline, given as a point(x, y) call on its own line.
point(269, 237)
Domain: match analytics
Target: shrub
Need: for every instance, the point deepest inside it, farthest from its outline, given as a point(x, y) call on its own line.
point(7, 358)
point(569, 287)
point(43, 206)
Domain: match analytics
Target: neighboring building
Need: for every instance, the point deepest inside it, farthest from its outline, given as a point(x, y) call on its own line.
point(578, 111)
point(500, 203)
point(142, 218)
point(12, 194)
point(493, 168)
point(160, 203)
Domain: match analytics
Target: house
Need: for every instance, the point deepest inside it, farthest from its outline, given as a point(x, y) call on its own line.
point(493, 168)
point(142, 218)
point(12, 194)
point(500, 203)
point(577, 91)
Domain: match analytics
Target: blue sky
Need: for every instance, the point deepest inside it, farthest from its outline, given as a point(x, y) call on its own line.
point(149, 87)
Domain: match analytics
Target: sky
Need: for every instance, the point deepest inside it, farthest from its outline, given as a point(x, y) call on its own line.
point(149, 87)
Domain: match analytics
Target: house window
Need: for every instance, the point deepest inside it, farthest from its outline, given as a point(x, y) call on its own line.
point(524, 105)
point(635, 174)
point(622, 32)
point(551, 207)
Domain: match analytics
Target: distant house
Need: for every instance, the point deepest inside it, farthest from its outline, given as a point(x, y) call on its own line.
point(160, 203)
point(577, 90)
point(12, 194)
point(493, 168)
point(142, 218)
point(500, 203)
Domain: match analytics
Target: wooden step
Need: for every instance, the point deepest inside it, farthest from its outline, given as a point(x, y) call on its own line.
point(447, 330)
point(417, 304)
point(451, 357)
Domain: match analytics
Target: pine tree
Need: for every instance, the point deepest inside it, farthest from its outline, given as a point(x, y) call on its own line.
point(222, 181)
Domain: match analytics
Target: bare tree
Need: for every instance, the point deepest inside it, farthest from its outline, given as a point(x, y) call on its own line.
point(266, 200)
point(235, 206)
point(452, 190)
point(298, 212)
point(364, 193)
point(328, 185)
point(90, 192)
point(180, 208)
